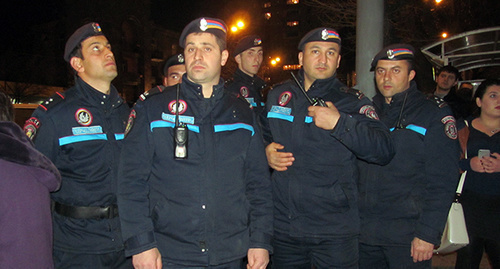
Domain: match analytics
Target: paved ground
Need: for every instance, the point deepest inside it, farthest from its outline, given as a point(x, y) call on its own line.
point(448, 262)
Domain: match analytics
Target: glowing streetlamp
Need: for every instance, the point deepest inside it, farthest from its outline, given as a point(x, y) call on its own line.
point(444, 35)
point(240, 25)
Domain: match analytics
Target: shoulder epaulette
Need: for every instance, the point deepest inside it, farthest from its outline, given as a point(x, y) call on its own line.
point(279, 84)
point(52, 101)
point(437, 101)
point(156, 90)
point(359, 94)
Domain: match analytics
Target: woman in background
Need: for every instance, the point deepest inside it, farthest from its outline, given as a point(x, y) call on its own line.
point(481, 194)
point(26, 178)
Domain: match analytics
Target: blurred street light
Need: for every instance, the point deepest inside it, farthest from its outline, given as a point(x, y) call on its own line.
point(240, 25)
point(444, 35)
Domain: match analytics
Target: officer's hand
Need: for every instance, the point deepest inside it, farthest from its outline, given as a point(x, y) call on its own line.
point(278, 161)
point(421, 250)
point(149, 259)
point(492, 164)
point(258, 258)
point(324, 117)
point(476, 165)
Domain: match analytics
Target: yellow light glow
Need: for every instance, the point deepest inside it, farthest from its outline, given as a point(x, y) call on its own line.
point(444, 35)
point(278, 59)
point(438, 1)
point(273, 62)
point(234, 29)
point(240, 24)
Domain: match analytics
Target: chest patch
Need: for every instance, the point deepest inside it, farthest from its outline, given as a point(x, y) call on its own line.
point(281, 110)
point(284, 98)
point(244, 91)
point(172, 107)
point(83, 117)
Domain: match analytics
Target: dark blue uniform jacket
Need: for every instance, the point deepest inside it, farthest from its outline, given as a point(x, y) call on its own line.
point(411, 196)
point(81, 132)
point(248, 87)
point(317, 195)
point(209, 208)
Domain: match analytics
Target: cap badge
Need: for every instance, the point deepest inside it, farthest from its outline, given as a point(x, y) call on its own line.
point(390, 54)
point(97, 28)
point(180, 58)
point(257, 42)
point(203, 24)
point(324, 34)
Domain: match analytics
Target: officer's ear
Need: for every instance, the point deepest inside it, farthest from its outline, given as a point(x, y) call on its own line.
point(301, 56)
point(237, 58)
point(224, 57)
point(77, 64)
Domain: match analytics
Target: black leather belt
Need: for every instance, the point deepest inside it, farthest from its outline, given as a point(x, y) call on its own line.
point(86, 212)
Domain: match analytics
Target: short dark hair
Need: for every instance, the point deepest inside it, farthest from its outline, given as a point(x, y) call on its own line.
point(77, 52)
point(450, 69)
point(6, 108)
point(481, 90)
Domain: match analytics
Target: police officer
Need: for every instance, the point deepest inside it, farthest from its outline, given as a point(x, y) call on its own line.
point(245, 82)
point(80, 131)
point(313, 152)
point(207, 202)
point(404, 204)
point(173, 70)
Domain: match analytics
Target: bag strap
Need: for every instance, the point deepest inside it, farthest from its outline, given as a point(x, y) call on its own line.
point(463, 144)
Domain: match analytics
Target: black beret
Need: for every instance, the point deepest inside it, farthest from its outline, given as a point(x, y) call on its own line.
point(82, 33)
point(173, 60)
point(394, 52)
point(320, 34)
point(247, 42)
point(204, 25)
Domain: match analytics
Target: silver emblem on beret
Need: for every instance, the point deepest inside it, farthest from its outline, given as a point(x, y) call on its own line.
point(203, 24)
point(180, 58)
point(390, 54)
point(324, 34)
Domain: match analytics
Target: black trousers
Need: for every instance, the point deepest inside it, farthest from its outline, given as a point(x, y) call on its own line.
point(113, 260)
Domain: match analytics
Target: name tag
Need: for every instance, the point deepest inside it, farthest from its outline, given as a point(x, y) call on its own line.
point(87, 130)
point(170, 117)
point(281, 110)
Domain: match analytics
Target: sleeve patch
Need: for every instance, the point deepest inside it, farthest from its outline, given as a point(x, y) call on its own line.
point(130, 121)
point(450, 127)
point(369, 111)
point(31, 127)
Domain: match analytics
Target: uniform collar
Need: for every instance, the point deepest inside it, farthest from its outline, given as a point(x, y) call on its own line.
point(251, 80)
point(197, 90)
point(398, 98)
point(96, 97)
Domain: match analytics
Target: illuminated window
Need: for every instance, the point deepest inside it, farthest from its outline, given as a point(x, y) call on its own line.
point(268, 4)
point(292, 23)
point(291, 67)
point(267, 15)
point(292, 2)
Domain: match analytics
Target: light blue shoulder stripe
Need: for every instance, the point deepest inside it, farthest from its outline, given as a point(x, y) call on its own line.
point(308, 119)
point(80, 138)
point(164, 123)
point(415, 128)
point(119, 136)
point(232, 127)
point(280, 116)
point(418, 129)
